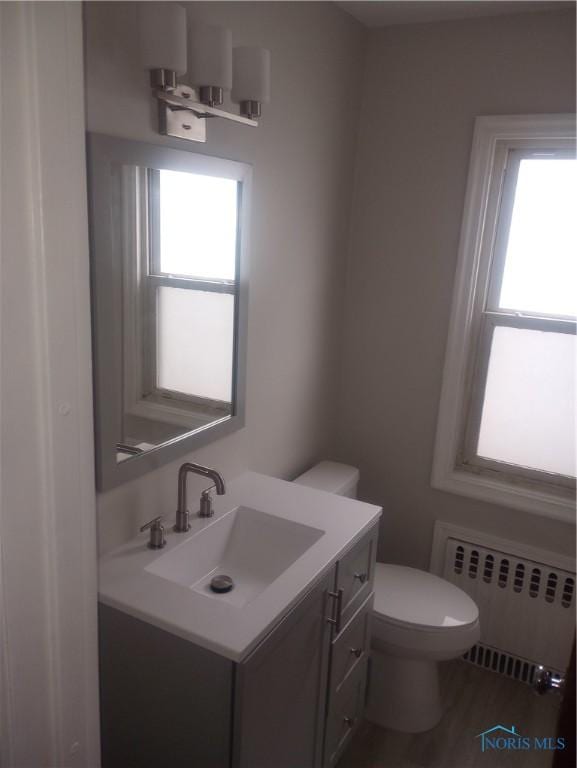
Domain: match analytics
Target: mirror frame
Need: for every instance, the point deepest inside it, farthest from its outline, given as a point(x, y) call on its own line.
point(105, 154)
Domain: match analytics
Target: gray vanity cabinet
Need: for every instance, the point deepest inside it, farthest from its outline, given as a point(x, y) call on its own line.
point(294, 702)
point(281, 689)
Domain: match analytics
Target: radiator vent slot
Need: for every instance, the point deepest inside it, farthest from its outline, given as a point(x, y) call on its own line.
point(519, 577)
point(526, 606)
point(488, 569)
point(568, 590)
point(551, 588)
point(473, 564)
point(503, 573)
point(535, 582)
point(459, 559)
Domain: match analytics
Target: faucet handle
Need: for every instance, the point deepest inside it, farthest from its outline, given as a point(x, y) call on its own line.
point(151, 523)
point(206, 509)
point(157, 540)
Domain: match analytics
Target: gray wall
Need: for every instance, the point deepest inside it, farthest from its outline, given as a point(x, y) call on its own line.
point(424, 85)
point(303, 161)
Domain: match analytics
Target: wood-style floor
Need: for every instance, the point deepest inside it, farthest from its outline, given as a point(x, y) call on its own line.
point(476, 700)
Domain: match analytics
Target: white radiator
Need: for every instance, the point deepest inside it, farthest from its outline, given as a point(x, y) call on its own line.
point(526, 599)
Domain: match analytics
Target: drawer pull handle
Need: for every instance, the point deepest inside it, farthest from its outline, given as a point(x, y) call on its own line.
point(357, 652)
point(350, 721)
point(362, 577)
point(338, 610)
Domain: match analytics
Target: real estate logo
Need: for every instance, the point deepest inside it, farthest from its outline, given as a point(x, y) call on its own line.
point(500, 737)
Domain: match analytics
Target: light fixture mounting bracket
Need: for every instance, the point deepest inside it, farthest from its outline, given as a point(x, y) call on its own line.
point(182, 115)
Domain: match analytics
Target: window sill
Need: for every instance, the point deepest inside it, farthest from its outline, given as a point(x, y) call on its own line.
point(503, 493)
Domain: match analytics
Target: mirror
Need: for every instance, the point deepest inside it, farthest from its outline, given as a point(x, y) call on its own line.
point(169, 293)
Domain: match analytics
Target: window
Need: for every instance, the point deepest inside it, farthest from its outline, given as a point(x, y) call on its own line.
point(192, 284)
point(506, 430)
point(181, 287)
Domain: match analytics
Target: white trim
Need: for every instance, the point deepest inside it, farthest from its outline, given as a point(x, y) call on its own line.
point(490, 134)
point(48, 630)
point(444, 531)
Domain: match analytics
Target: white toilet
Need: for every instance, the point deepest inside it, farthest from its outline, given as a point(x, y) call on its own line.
point(418, 620)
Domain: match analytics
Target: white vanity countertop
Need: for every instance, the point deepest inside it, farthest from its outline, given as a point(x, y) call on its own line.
point(232, 631)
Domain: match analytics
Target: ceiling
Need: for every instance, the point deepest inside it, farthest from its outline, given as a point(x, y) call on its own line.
point(382, 13)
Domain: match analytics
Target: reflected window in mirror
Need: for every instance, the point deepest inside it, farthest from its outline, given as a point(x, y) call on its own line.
point(193, 285)
point(169, 297)
point(180, 287)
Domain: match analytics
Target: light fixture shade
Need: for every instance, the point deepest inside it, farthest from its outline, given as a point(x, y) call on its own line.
point(210, 56)
point(251, 74)
point(163, 36)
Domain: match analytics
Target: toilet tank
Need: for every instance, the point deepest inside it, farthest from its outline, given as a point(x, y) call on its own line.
point(333, 477)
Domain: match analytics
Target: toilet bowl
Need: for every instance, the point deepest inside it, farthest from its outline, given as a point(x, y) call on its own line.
point(418, 620)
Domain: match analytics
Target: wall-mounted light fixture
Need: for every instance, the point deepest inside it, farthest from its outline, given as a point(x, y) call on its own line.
point(213, 68)
point(251, 79)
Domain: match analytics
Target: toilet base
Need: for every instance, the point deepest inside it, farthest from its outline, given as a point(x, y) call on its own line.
point(403, 693)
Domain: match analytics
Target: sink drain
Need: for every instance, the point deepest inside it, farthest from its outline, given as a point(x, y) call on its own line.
point(221, 584)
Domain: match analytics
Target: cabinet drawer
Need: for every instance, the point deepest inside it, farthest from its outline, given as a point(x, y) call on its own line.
point(345, 714)
point(352, 646)
point(355, 574)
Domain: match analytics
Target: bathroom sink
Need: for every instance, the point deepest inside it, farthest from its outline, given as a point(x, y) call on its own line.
point(275, 540)
point(252, 547)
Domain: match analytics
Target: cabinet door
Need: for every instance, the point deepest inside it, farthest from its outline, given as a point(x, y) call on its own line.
point(281, 690)
point(164, 701)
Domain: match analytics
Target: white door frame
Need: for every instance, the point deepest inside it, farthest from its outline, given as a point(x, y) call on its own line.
point(48, 598)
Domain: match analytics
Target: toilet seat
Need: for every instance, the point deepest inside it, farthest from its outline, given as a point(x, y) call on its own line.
point(421, 600)
point(418, 613)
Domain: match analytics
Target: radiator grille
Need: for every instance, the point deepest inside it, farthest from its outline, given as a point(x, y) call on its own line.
point(526, 608)
point(522, 569)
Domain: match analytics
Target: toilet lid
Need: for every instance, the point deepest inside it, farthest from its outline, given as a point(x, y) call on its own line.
point(420, 598)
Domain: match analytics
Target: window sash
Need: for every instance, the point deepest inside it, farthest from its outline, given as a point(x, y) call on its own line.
point(154, 261)
point(468, 457)
point(150, 349)
point(192, 284)
point(500, 244)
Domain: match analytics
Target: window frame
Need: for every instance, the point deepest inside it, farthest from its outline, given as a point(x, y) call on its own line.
point(498, 144)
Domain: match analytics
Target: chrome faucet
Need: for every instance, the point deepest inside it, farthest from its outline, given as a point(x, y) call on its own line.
point(206, 510)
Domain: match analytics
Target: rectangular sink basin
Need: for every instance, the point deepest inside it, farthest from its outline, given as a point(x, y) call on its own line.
point(252, 547)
